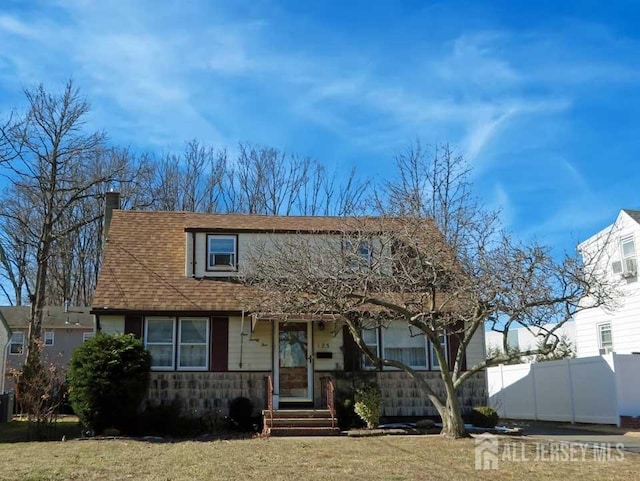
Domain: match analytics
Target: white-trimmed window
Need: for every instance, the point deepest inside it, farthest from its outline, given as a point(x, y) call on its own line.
point(605, 338)
point(370, 338)
point(49, 337)
point(400, 344)
point(16, 345)
point(629, 262)
point(434, 358)
point(193, 346)
point(181, 344)
point(159, 338)
point(222, 252)
point(87, 335)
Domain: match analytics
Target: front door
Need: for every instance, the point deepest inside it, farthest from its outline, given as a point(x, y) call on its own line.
point(294, 362)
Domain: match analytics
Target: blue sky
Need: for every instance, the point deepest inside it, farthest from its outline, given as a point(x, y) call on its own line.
point(542, 99)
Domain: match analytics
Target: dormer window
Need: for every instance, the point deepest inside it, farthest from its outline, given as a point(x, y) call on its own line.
point(222, 252)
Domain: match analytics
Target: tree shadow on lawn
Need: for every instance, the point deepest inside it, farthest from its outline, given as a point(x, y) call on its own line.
point(21, 431)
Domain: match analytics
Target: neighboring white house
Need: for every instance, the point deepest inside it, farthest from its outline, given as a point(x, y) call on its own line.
point(523, 339)
point(613, 252)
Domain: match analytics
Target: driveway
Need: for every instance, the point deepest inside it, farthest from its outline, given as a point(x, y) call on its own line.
point(599, 435)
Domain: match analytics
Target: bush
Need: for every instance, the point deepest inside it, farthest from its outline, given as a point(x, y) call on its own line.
point(108, 379)
point(368, 400)
point(165, 420)
point(241, 411)
point(347, 417)
point(484, 417)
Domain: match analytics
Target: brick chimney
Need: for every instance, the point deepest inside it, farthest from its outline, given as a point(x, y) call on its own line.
point(111, 202)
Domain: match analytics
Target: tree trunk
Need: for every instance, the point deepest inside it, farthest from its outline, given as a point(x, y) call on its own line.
point(452, 423)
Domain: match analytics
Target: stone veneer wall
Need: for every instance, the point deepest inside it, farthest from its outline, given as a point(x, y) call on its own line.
point(402, 397)
point(203, 392)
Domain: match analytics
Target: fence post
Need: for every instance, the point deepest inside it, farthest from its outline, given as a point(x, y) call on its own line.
point(535, 395)
point(502, 393)
point(616, 384)
point(571, 398)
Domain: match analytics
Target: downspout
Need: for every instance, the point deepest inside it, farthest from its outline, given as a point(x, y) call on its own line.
point(241, 339)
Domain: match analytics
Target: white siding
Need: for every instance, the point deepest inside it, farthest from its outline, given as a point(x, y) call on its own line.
point(625, 327)
point(476, 349)
point(244, 245)
point(327, 341)
point(524, 339)
point(251, 351)
point(112, 324)
point(604, 248)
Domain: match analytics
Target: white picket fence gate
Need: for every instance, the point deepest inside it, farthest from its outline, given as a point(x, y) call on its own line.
point(596, 389)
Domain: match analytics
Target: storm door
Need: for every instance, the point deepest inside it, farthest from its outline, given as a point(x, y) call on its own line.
point(295, 362)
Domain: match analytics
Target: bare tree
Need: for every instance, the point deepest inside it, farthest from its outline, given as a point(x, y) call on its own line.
point(434, 265)
point(50, 160)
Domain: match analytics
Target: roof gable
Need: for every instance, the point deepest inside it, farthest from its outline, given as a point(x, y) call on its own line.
point(634, 214)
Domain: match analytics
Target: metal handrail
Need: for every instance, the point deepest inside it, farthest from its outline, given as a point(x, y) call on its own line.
point(331, 391)
point(270, 398)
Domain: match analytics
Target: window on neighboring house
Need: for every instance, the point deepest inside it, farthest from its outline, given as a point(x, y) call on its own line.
point(605, 338)
point(221, 252)
point(48, 338)
point(87, 335)
point(629, 262)
point(192, 344)
point(185, 340)
point(16, 345)
point(159, 341)
point(434, 358)
point(627, 266)
point(370, 338)
point(402, 345)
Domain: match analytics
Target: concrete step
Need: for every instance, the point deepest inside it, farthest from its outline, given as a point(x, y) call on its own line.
point(298, 413)
point(302, 431)
point(300, 422)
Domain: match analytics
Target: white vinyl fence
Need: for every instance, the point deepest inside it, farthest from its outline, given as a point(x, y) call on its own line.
point(596, 389)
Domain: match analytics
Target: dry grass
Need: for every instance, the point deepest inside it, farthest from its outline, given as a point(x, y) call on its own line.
point(375, 458)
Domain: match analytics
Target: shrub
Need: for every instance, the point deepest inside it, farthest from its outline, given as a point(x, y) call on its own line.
point(347, 417)
point(108, 379)
point(484, 417)
point(368, 400)
point(241, 411)
point(165, 420)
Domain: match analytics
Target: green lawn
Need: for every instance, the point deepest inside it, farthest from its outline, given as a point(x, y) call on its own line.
point(373, 458)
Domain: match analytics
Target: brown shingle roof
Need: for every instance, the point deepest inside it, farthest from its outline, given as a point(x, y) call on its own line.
point(144, 258)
